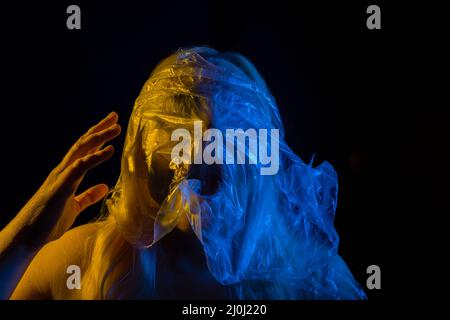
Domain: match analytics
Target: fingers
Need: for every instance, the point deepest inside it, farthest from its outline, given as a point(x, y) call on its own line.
point(92, 140)
point(78, 168)
point(95, 141)
point(107, 122)
point(91, 196)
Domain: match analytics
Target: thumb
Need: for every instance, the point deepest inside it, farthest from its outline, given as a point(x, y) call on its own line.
point(91, 196)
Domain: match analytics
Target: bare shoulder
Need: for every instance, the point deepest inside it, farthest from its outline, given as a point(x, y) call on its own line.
point(46, 276)
point(74, 238)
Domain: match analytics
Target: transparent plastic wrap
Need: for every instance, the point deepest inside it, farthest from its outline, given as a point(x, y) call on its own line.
point(266, 236)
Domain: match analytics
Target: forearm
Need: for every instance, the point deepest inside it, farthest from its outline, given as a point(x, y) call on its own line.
point(15, 254)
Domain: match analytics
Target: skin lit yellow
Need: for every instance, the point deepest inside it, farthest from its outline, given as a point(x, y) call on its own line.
point(46, 276)
point(43, 221)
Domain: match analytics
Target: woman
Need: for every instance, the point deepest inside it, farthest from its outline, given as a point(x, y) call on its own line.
point(174, 230)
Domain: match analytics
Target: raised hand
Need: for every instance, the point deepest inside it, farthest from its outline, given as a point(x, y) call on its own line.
point(54, 207)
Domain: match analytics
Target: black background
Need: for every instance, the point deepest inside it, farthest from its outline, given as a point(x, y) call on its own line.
point(365, 100)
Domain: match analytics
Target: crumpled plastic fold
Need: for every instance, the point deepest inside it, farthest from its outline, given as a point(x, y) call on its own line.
point(268, 236)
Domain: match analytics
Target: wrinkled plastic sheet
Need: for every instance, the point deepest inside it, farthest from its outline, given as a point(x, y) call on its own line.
point(272, 229)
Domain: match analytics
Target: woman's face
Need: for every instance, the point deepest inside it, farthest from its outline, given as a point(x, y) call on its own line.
point(154, 173)
point(157, 146)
